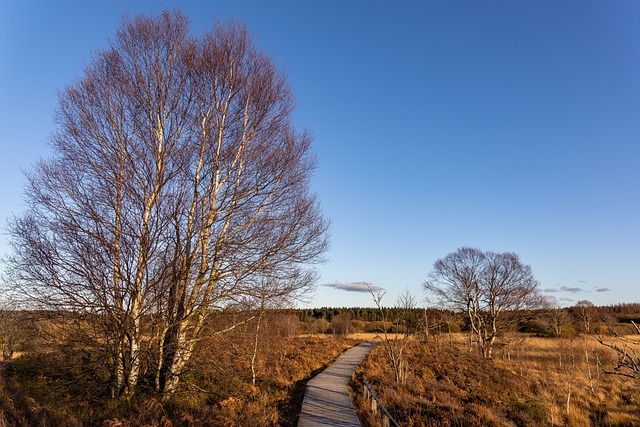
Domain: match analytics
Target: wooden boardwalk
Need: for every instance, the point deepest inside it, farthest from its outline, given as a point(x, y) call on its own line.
point(326, 398)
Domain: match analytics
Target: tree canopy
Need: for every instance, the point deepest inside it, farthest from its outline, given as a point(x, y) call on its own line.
point(178, 186)
point(488, 287)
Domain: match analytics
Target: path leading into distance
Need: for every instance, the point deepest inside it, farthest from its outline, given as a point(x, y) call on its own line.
point(326, 398)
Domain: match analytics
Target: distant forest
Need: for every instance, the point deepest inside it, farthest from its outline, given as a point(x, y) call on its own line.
point(584, 316)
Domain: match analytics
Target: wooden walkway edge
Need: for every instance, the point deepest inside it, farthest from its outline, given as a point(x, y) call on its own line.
point(326, 398)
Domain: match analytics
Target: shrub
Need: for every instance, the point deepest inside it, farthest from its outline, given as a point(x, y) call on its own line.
point(617, 328)
point(453, 327)
point(568, 332)
point(536, 327)
point(320, 326)
point(378, 327)
point(624, 329)
point(528, 412)
point(358, 325)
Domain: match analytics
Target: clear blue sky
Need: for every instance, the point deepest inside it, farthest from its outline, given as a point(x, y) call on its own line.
point(505, 125)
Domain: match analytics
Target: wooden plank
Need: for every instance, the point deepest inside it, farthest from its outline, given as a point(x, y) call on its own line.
point(326, 398)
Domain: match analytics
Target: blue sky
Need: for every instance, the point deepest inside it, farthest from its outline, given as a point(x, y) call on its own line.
point(504, 125)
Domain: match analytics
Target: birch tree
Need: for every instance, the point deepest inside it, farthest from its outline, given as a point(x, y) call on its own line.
point(455, 282)
point(586, 312)
point(490, 288)
point(558, 318)
point(177, 179)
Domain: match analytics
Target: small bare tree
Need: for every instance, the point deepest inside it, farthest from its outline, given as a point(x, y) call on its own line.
point(406, 326)
point(558, 318)
point(490, 288)
point(320, 326)
point(341, 323)
point(587, 313)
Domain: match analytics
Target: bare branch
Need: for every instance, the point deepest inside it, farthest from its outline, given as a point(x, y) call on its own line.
point(489, 288)
point(178, 183)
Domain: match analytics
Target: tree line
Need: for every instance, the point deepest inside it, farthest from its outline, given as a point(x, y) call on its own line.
point(549, 321)
point(365, 314)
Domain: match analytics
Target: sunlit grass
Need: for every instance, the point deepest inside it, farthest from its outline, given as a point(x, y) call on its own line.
point(530, 381)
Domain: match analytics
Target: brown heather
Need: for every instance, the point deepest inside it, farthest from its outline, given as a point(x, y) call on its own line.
point(66, 386)
point(530, 382)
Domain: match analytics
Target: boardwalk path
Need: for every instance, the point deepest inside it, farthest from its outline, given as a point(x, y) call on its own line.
point(326, 398)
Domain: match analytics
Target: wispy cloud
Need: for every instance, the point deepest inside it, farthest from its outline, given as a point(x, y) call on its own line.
point(564, 288)
point(572, 289)
point(602, 289)
point(354, 287)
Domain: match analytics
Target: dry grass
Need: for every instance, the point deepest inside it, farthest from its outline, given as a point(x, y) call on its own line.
point(530, 382)
point(568, 376)
point(55, 390)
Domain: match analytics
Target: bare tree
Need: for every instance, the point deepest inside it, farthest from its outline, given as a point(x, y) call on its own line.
point(558, 318)
point(437, 322)
point(341, 323)
point(407, 326)
point(587, 312)
point(268, 296)
point(490, 288)
point(455, 281)
point(319, 326)
point(177, 179)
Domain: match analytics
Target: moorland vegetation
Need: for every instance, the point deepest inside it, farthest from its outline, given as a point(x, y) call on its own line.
point(254, 374)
